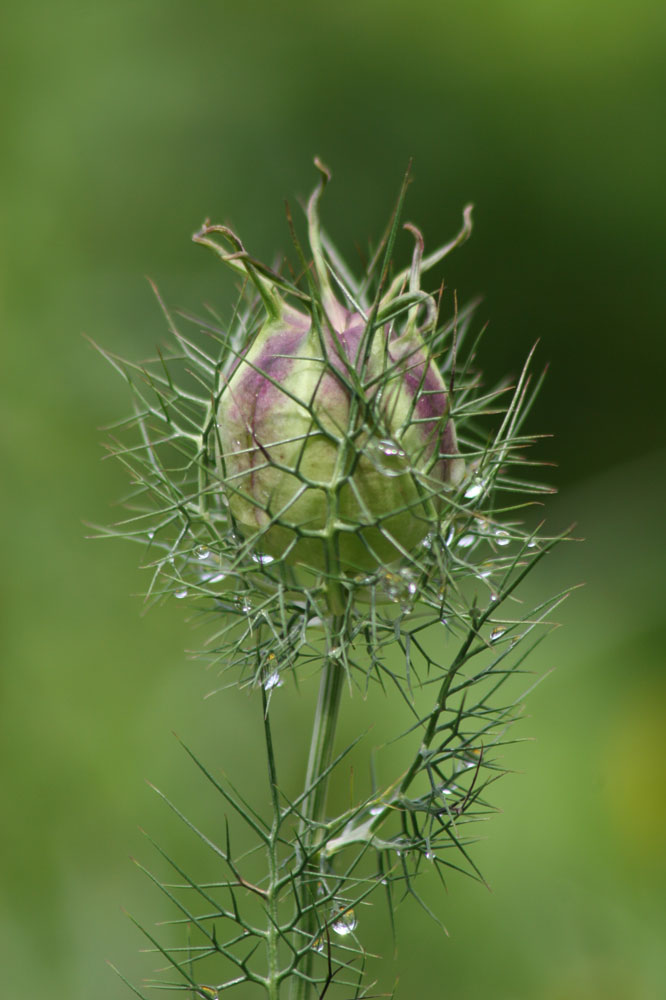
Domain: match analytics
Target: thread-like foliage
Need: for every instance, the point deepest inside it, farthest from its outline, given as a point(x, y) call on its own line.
point(440, 623)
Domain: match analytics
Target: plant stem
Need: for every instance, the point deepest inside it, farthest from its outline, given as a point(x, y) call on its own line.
point(273, 981)
point(314, 805)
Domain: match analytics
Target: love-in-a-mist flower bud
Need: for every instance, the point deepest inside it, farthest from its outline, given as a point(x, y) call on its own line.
point(336, 446)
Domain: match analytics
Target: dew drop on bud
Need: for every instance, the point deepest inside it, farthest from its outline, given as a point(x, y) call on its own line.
point(387, 457)
point(263, 560)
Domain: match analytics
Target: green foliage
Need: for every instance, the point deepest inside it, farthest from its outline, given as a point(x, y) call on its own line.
point(296, 916)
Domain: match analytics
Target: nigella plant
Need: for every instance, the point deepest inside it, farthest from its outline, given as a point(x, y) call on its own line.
point(326, 479)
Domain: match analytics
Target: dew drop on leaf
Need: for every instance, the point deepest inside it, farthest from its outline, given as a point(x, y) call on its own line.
point(345, 923)
point(273, 681)
point(400, 587)
point(474, 490)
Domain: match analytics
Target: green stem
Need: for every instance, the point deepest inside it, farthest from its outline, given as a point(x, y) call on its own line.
point(314, 805)
point(273, 978)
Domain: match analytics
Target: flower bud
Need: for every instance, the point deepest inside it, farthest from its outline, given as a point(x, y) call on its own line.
point(335, 441)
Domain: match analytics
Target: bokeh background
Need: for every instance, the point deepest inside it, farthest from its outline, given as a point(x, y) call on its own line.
point(125, 124)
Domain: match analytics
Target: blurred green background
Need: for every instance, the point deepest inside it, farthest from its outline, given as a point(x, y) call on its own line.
point(123, 126)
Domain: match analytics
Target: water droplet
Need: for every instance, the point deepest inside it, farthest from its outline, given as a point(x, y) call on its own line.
point(208, 992)
point(335, 653)
point(345, 923)
point(151, 535)
point(202, 552)
point(180, 594)
point(474, 490)
point(502, 537)
point(531, 544)
point(319, 945)
point(494, 597)
point(262, 559)
point(485, 571)
point(400, 587)
point(427, 541)
point(390, 448)
point(430, 855)
point(398, 854)
point(376, 810)
point(214, 577)
point(273, 681)
point(387, 456)
point(466, 540)
point(245, 605)
point(497, 633)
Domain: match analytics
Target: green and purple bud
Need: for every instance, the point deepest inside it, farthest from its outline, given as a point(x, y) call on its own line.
point(336, 446)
